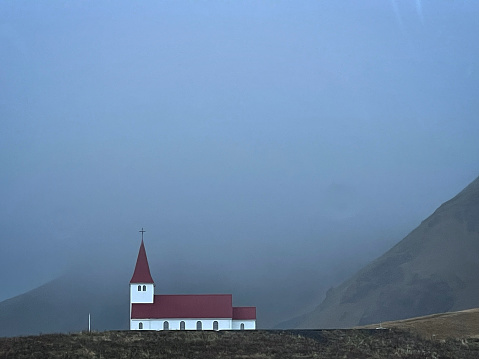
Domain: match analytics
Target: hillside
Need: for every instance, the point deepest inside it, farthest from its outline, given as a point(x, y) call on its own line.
point(432, 270)
point(229, 344)
point(63, 305)
point(461, 324)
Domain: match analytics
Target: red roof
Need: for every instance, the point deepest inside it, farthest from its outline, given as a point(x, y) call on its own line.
point(244, 313)
point(142, 269)
point(185, 306)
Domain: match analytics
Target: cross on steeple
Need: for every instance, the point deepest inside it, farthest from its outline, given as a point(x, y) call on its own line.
point(142, 231)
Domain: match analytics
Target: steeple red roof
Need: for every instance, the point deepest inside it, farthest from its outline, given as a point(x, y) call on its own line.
point(142, 269)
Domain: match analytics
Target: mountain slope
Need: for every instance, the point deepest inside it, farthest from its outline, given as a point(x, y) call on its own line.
point(432, 270)
point(63, 305)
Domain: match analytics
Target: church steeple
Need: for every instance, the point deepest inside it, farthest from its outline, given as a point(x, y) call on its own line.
point(142, 269)
point(142, 286)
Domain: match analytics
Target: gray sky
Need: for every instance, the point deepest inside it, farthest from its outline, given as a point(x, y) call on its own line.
point(278, 139)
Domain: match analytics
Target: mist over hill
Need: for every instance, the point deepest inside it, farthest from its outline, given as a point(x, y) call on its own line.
point(432, 270)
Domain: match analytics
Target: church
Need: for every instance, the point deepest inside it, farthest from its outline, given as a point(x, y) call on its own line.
point(181, 312)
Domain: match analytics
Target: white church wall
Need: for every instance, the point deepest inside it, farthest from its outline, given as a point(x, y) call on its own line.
point(142, 296)
point(135, 324)
point(248, 324)
point(174, 324)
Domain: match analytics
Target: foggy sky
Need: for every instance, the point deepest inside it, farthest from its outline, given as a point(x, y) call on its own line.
point(288, 142)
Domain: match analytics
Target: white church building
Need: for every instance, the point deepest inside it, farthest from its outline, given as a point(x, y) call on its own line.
point(181, 312)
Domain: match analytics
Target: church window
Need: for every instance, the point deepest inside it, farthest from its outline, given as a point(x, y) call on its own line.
point(215, 325)
point(140, 325)
point(199, 325)
point(242, 326)
point(144, 288)
point(166, 325)
point(139, 288)
point(182, 325)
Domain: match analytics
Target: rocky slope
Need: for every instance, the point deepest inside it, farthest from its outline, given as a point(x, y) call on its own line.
point(432, 270)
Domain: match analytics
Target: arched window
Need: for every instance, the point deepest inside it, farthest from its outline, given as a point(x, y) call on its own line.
point(140, 325)
point(139, 288)
point(199, 325)
point(182, 325)
point(242, 326)
point(215, 325)
point(144, 288)
point(166, 325)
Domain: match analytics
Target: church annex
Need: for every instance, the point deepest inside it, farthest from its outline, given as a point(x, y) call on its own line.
point(181, 312)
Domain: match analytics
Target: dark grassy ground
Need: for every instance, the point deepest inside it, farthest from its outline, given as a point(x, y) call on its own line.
point(236, 344)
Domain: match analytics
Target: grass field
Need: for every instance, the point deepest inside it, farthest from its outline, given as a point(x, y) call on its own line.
point(236, 344)
point(462, 324)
